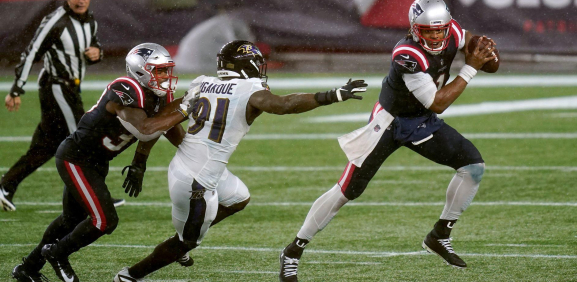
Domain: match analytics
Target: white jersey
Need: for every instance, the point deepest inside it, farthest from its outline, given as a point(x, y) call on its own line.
point(221, 124)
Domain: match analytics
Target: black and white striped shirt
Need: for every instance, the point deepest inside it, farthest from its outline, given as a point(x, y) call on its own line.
point(61, 39)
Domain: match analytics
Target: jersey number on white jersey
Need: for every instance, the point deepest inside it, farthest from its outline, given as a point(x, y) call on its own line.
point(203, 110)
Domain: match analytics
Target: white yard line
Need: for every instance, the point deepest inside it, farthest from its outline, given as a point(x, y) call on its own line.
point(329, 252)
point(568, 102)
point(374, 82)
point(526, 246)
point(351, 204)
point(334, 136)
point(340, 168)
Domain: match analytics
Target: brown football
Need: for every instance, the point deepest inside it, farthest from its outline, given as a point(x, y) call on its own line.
point(490, 66)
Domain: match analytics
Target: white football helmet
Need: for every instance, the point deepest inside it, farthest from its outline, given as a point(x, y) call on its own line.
point(151, 65)
point(430, 15)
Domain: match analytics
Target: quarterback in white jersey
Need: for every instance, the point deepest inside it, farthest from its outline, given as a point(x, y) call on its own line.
point(202, 190)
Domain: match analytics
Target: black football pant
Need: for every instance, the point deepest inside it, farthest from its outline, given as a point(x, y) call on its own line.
point(447, 147)
point(61, 108)
point(88, 212)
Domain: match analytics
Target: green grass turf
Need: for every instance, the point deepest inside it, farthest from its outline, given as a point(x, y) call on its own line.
point(500, 242)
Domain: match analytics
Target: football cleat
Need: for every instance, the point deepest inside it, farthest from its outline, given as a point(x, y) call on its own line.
point(185, 260)
point(61, 266)
point(118, 202)
point(124, 276)
point(6, 200)
point(443, 248)
point(288, 268)
point(21, 274)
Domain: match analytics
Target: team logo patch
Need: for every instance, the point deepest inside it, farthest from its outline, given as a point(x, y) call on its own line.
point(417, 10)
point(143, 52)
point(248, 49)
point(408, 64)
point(124, 97)
point(377, 128)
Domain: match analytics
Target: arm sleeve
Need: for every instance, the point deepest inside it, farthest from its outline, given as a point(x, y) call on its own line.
point(94, 42)
point(422, 86)
point(459, 33)
point(38, 46)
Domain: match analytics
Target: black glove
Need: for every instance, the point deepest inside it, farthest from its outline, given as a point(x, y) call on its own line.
point(16, 91)
point(133, 182)
point(343, 93)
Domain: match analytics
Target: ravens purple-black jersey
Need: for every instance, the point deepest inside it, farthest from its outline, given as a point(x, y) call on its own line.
point(100, 136)
point(409, 57)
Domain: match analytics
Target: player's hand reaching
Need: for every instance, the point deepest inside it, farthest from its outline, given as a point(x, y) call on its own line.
point(343, 93)
point(189, 100)
point(133, 182)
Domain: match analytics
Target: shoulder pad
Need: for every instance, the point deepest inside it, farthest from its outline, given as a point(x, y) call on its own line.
point(409, 59)
point(127, 92)
point(458, 33)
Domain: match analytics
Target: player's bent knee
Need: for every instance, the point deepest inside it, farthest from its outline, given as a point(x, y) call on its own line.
point(239, 206)
point(355, 189)
point(111, 224)
point(189, 244)
point(475, 170)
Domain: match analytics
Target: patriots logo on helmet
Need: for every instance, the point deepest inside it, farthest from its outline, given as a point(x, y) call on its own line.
point(408, 64)
point(143, 52)
point(417, 10)
point(124, 97)
point(248, 49)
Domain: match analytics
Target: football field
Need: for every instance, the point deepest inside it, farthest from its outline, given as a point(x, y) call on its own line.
point(521, 226)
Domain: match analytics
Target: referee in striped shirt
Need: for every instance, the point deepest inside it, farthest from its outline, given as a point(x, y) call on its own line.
point(66, 40)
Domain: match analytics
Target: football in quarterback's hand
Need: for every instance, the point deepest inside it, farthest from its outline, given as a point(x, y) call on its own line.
point(492, 65)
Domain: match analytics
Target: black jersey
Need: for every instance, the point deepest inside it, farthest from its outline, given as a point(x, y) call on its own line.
point(409, 57)
point(100, 136)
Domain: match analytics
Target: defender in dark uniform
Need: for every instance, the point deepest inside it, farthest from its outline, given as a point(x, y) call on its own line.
point(412, 95)
point(123, 114)
point(66, 40)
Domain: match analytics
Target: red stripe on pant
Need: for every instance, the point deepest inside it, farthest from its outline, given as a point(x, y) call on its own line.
point(346, 177)
point(87, 194)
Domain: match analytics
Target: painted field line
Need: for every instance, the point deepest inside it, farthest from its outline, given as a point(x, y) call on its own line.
point(568, 102)
point(350, 204)
point(340, 168)
point(329, 252)
point(374, 82)
point(526, 246)
point(334, 136)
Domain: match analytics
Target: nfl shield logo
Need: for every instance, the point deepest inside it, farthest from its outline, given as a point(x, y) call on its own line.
point(377, 128)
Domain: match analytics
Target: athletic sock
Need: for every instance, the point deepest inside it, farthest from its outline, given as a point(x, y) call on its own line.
point(296, 248)
point(443, 227)
point(164, 254)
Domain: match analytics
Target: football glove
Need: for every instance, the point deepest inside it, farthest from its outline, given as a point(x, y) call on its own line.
point(188, 101)
point(16, 91)
point(343, 93)
point(133, 183)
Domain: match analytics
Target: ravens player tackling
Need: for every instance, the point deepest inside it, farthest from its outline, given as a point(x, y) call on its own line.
point(202, 190)
point(412, 95)
point(123, 114)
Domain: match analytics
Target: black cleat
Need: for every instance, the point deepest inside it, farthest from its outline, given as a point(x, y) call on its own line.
point(6, 200)
point(21, 274)
point(61, 266)
point(124, 276)
point(288, 268)
point(118, 202)
point(185, 260)
point(443, 248)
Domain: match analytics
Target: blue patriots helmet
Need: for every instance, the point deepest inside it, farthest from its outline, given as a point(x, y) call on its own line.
point(241, 58)
point(146, 62)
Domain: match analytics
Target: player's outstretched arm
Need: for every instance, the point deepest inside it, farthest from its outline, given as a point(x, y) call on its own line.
point(303, 102)
point(135, 171)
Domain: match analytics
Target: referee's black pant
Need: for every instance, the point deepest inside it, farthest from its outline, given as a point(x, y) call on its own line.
point(61, 108)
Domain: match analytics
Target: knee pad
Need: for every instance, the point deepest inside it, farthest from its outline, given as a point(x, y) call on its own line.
point(475, 170)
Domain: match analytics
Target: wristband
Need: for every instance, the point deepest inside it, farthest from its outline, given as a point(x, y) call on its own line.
point(182, 109)
point(467, 73)
point(139, 160)
point(324, 98)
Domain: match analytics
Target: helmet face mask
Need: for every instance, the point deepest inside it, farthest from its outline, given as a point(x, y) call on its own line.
point(242, 59)
point(152, 66)
point(427, 17)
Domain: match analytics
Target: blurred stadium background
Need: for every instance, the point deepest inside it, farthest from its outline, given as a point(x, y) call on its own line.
point(521, 226)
